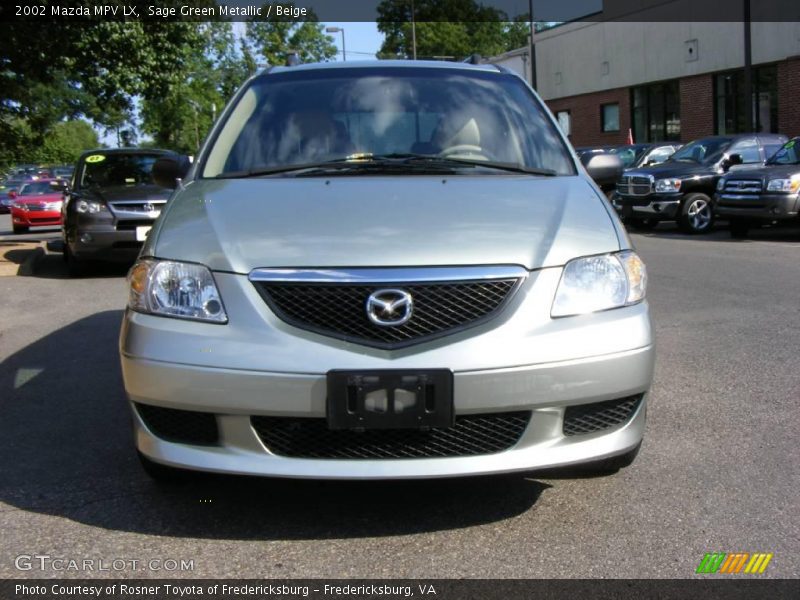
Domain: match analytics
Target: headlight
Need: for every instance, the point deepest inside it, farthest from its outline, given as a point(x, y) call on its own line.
point(783, 185)
point(600, 282)
point(20, 206)
point(89, 207)
point(668, 185)
point(721, 184)
point(175, 289)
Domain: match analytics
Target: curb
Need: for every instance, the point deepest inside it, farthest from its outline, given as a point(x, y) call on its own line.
point(28, 266)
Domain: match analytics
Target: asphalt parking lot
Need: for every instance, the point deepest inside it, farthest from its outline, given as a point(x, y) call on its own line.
point(719, 469)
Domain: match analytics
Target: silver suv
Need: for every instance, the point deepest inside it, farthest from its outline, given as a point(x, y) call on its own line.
point(386, 270)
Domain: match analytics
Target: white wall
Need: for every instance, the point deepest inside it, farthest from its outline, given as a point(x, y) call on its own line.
point(579, 58)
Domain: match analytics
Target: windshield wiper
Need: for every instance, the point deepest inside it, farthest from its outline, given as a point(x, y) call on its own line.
point(367, 162)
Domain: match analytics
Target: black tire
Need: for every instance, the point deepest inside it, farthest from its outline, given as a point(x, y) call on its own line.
point(697, 214)
point(739, 229)
point(19, 229)
point(163, 474)
point(642, 224)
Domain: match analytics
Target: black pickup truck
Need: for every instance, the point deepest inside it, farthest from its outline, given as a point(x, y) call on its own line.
point(754, 197)
point(681, 188)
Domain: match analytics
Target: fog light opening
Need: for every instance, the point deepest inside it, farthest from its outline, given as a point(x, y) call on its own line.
point(86, 238)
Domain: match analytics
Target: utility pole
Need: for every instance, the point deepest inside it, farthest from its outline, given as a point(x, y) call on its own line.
point(749, 121)
point(533, 46)
point(339, 30)
point(413, 32)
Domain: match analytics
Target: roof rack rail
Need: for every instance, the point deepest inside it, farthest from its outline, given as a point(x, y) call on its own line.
point(474, 59)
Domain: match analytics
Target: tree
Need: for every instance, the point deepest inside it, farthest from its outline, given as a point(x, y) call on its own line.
point(274, 40)
point(446, 28)
point(66, 141)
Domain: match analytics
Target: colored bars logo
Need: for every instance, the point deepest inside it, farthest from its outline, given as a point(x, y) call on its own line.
point(735, 562)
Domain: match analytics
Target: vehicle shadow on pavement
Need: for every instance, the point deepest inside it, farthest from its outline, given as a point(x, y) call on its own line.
point(66, 450)
point(52, 266)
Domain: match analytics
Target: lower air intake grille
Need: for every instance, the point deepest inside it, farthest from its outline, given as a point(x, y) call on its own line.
point(183, 426)
point(588, 418)
point(472, 435)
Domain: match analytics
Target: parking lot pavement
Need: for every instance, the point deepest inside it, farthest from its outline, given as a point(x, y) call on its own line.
point(719, 469)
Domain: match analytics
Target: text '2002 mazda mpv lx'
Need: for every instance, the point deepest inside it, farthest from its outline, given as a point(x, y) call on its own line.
point(386, 270)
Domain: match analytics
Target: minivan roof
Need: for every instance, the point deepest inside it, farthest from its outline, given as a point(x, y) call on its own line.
point(398, 64)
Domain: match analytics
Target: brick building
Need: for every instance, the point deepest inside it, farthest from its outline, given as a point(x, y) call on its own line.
point(664, 80)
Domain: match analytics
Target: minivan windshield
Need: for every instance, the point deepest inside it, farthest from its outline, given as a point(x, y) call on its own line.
point(704, 152)
point(357, 115)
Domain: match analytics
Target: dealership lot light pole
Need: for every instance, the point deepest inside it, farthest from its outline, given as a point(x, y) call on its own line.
point(339, 30)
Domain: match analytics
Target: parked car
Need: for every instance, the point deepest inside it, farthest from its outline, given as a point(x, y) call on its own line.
point(681, 188)
point(7, 192)
point(624, 157)
point(334, 292)
point(605, 167)
point(645, 154)
point(754, 197)
point(111, 206)
point(37, 204)
point(64, 172)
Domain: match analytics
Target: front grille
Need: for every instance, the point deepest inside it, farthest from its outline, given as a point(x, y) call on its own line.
point(339, 310)
point(35, 207)
point(588, 418)
point(472, 435)
point(743, 186)
point(183, 426)
point(44, 219)
point(635, 185)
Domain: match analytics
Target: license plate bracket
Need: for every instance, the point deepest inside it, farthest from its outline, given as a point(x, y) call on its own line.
point(390, 399)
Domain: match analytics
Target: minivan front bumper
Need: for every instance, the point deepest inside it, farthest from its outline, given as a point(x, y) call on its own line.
point(258, 368)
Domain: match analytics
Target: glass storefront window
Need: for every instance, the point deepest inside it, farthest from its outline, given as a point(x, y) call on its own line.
point(656, 112)
point(730, 101)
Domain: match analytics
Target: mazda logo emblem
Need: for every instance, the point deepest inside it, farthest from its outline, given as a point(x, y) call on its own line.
point(389, 308)
point(148, 207)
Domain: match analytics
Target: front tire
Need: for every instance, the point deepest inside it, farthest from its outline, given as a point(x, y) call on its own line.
point(697, 214)
point(75, 266)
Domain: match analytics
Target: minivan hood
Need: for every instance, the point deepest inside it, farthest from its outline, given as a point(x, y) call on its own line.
point(239, 225)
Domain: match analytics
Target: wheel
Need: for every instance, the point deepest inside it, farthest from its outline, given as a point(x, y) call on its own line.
point(697, 216)
point(642, 224)
point(739, 228)
point(19, 229)
point(162, 473)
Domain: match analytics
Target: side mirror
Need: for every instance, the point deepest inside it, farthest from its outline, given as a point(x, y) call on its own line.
point(167, 170)
point(733, 159)
point(605, 169)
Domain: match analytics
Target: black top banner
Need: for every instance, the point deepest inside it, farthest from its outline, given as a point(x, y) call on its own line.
point(545, 11)
point(397, 589)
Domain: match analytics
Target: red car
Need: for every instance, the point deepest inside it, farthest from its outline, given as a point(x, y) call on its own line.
point(37, 204)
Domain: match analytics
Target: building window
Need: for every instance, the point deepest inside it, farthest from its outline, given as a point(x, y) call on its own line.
point(610, 117)
point(656, 112)
point(564, 121)
point(730, 105)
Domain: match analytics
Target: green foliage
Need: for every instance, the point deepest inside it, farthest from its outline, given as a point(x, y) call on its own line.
point(274, 40)
point(66, 141)
point(447, 28)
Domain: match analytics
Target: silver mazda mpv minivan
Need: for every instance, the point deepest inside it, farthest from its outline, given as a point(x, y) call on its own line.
point(386, 270)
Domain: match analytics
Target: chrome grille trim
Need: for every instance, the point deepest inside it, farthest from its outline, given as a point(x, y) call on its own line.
point(389, 274)
point(635, 184)
point(743, 186)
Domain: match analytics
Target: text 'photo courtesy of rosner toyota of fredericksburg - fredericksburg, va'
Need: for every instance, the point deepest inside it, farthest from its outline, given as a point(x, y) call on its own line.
point(399, 298)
